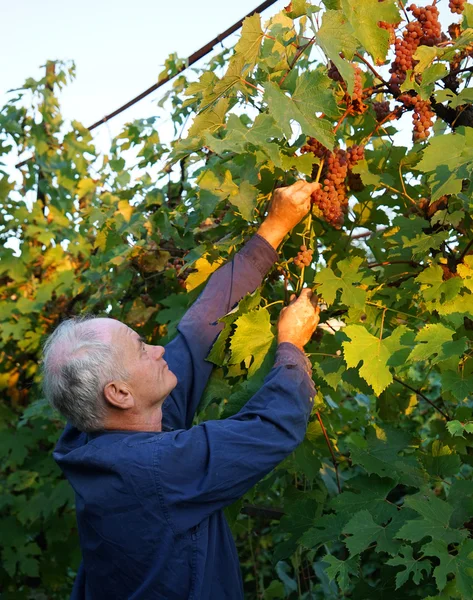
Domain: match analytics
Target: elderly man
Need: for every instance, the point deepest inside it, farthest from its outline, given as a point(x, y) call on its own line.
point(150, 489)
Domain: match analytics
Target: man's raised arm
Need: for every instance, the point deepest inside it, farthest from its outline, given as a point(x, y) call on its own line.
point(198, 328)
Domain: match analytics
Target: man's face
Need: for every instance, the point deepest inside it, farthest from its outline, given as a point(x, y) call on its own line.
point(150, 381)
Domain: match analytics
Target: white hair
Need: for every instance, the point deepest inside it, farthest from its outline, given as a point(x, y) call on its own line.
point(77, 365)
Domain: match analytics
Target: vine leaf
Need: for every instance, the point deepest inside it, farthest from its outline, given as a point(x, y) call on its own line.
point(246, 304)
point(329, 283)
point(461, 565)
point(364, 18)
point(240, 138)
point(328, 528)
point(363, 531)
point(301, 109)
point(371, 492)
point(373, 352)
point(253, 337)
point(435, 520)
point(210, 120)
point(442, 462)
point(435, 344)
point(413, 566)
point(448, 160)
point(422, 243)
point(204, 269)
point(247, 47)
point(456, 383)
point(336, 36)
point(379, 454)
point(434, 289)
point(340, 570)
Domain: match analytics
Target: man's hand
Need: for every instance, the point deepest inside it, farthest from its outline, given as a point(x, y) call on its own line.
point(298, 320)
point(288, 207)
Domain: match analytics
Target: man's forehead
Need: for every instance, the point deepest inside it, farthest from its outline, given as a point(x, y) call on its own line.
point(110, 327)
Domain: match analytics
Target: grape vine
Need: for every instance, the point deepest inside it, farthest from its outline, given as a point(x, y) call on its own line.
point(376, 502)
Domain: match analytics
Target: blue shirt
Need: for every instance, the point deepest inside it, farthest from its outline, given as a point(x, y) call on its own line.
point(149, 505)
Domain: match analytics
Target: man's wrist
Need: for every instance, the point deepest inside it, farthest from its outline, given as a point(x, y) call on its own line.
point(290, 341)
point(273, 234)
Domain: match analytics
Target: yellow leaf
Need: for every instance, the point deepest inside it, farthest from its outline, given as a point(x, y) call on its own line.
point(125, 210)
point(204, 270)
point(85, 186)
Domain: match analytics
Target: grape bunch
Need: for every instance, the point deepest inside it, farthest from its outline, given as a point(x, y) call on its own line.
point(315, 147)
point(331, 198)
point(428, 18)
point(355, 153)
point(422, 119)
point(382, 110)
point(424, 30)
point(356, 100)
point(303, 258)
point(334, 73)
point(404, 49)
point(456, 6)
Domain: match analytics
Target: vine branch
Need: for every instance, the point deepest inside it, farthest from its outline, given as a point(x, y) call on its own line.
point(424, 397)
point(334, 460)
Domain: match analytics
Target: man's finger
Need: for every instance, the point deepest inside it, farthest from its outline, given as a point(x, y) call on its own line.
point(298, 184)
point(303, 192)
point(315, 301)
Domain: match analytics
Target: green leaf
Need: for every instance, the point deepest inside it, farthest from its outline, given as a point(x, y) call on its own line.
point(434, 523)
point(422, 244)
point(284, 109)
point(442, 462)
point(380, 455)
point(328, 528)
point(209, 120)
point(455, 428)
point(364, 18)
point(332, 371)
point(340, 570)
point(460, 565)
point(240, 138)
point(435, 344)
point(448, 159)
point(336, 36)
point(364, 532)
point(253, 337)
point(413, 566)
point(245, 200)
point(313, 94)
point(373, 353)
point(371, 492)
point(329, 283)
point(458, 384)
point(249, 42)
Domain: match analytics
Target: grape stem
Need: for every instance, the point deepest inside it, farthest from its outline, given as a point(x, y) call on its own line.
point(371, 68)
point(299, 53)
point(309, 229)
point(342, 119)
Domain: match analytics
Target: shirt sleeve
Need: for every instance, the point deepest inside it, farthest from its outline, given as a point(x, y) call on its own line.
point(203, 469)
point(198, 329)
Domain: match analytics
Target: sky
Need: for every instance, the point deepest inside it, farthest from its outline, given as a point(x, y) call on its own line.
point(119, 48)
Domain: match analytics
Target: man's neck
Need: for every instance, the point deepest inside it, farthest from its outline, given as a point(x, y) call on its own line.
point(151, 421)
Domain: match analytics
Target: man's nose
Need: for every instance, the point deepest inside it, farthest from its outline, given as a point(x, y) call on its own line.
point(158, 352)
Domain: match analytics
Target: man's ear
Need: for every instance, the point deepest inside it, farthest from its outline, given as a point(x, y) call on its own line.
point(118, 395)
